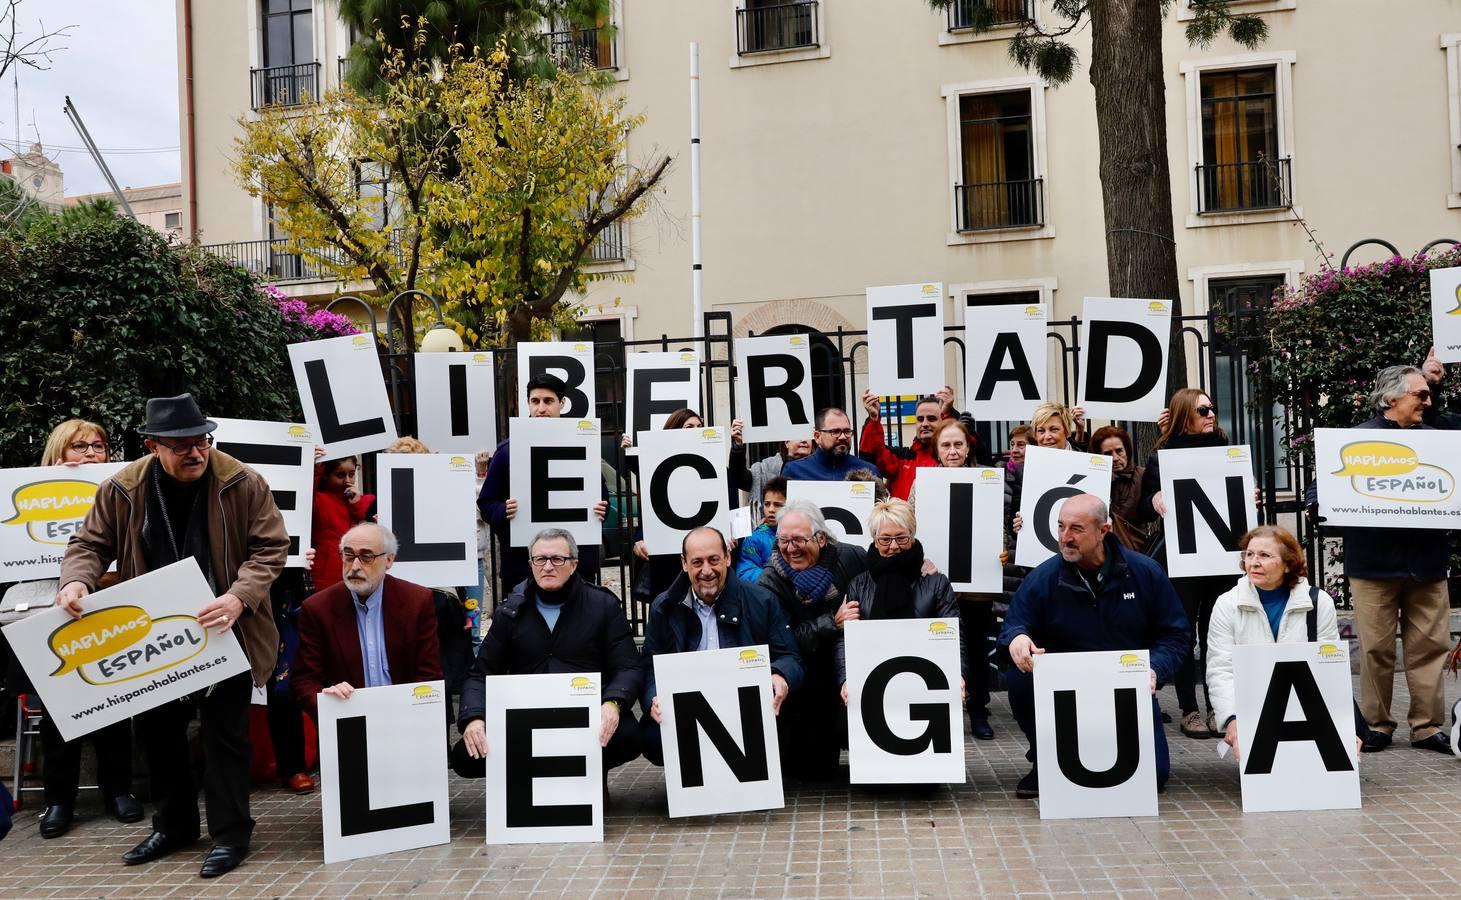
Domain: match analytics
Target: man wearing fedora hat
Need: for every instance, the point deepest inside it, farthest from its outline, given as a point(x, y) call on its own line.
point(185, 499)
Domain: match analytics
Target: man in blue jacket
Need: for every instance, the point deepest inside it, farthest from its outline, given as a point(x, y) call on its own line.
point(1095, 596)
point(833, 458)
point(708, 608)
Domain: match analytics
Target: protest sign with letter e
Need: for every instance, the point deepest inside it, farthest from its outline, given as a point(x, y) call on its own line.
point(383, 781)
point(682, 485)
point(719, 732)
point(1123, 364)
point(284, 454)
point(456, 402)
point(571, 361)
point(1446, 313)
point(657, 384)
point(1050, 478)
point(555, 477)
point(1005, 373)
point(1395, 478)
point(961, 524)
point(1095, 742)
point(343, 394)
point(1296, 741)
point(1209, 496)
point(40, 509)
point(846, 505)
point(774, 387)
point(426, 500)
point(905, 324)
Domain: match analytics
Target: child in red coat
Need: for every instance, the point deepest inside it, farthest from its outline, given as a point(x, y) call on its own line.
point(338, 508)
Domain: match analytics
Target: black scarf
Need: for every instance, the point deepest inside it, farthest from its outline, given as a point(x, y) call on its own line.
point(168, 537)
point(894, 576)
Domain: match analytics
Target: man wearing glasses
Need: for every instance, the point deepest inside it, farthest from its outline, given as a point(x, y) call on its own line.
point(556, 622)
point(368, 630)
point(185, 499)
point(833, 458)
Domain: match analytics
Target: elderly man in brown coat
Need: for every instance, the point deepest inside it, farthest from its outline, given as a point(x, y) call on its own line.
point(185, 499)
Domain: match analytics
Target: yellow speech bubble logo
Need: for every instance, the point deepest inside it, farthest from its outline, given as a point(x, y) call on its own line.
point(359, 340)
point(298, 431)
point(1157, 306)
point(1032, 310)
point(581, 682)
point(98, 635)
point(1377, 458)
point(1129, 659)
point(580, 348)
point(1328, 650)
point(44, 502)
point(1457, 310)
point(749, 655)
point(422, 690)
point(479, 357)
point(938, 627)
point(458, 461)
point(585, 425)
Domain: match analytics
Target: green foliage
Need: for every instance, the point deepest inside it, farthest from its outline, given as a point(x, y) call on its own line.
point(101, 316)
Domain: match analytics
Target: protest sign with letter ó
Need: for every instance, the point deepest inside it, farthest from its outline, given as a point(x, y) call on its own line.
point(284, 454)
point(659, 383)
point(1006, 369)
point(40, 509)
point(1209, 494)
point(1095, 741)
point(905, 325)
point(137, 646)
point(383, 782)
point(456, 401)
point(544, 764)
point(1396, 478)
point(846, 505)
point(343, 394)
point(682, 485)
point(774, 387)
point(555, 477)
point(1305, 760)
point(1446, 313)
point(961, 524)
point(1123, 361)
point(426, 500)
point(572, 361)
point(719, 732)
point(1052, 477)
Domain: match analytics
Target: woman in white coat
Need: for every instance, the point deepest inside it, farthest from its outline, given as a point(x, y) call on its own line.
point(1269, 605)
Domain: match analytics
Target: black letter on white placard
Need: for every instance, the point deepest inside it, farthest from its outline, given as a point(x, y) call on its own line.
point(904, 314)
point(1188, 496)
point(352, 753)
point(332, 429)
point(1068, 741)
point(961, 532)
point(659, 491)
point(934, 715)
point(573, 373)
point(543, 486)
point(456, 383)
point(523, 767)
point(1046, 505)
point(760, 392)
point(271, 455)
point(1147, 345)
point(403, 523)
point(645, 406)
point(1007, 344)
point(1316, 727)
point(693, 714)
point(850, 523)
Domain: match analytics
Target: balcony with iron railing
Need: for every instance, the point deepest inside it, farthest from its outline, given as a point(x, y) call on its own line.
point(1243, 186)
point(608, 245)
point(283, 86)
point(582, 48)
point(271, 259)
point(1000, 204)
point(964, 15)
point(786, 26)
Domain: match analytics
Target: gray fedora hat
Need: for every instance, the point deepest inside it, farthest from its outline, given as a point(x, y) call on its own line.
point(175, 417)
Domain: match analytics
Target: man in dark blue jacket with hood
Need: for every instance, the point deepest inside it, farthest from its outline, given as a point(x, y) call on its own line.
point(1096, 595)
point(709, 608)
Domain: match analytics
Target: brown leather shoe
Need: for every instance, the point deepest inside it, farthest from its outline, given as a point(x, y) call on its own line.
point(300, 783)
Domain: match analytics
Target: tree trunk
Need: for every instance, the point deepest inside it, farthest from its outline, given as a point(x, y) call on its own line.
point(1136, 183)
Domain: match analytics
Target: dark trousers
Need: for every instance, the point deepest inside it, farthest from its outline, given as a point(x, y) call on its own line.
point(61, 775)
point(1198, 596)
point(1021, 688)
point(224, 716)
point(625, 745)
point(811, 731)
point(286, 731)
point(975, 620)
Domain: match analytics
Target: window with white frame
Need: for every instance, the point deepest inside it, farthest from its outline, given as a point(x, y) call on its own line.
point(373, 186)
point(1451, 43)
point(1187, 9)
point(775, 31)
point(997, 20)
point(997, 160)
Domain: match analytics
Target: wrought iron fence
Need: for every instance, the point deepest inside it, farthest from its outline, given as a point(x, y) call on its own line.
point(608, 245)
point(285, 85)
point(964, 15)
point(272, 259)
point(785, 26)
point(582, 48)
point(1235, 187)
point(1000, 204)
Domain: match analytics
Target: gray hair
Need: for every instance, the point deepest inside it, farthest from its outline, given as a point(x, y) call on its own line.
point(1098, 507)
point(387, 539)
point(811, 511)
point(1391, 385)
point(551, 534)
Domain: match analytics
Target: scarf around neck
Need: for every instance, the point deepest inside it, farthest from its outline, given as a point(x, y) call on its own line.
point(894, 577)
point(812, 585)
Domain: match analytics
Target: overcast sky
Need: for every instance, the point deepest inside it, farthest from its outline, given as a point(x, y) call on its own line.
point(120, 69)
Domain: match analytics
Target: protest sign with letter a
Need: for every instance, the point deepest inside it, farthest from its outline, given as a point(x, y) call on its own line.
point(1052, 477)
point(659, 383)
point(1209, 496)
point(905, 329)
point(1446, 313)
point(137, 646)
point(774, 387)
point(1395, 478)
point(572, 361)
point(1296, 741)
point(383, 770)
point(343, 394)
point(555, 477)
point(846, 505)
point(961, 524)
point(905, 721)
point(456, 402)
point(544, 764)
point(40, 509)
point(1095, 743)
point(719, 732)
point(427, 501)
point(1124, 358)
point(284, 454)
point(1005, 373)
point(682, 485)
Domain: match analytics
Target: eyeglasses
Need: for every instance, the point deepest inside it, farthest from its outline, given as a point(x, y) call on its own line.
point(1205, 411)
point(366, 557)
point(557, 562)
point(201, 444)
point(1260, 555)
point(793, 541)
point(93, 446)
point(838, 432)
point(895, 540)
point(1422, 395)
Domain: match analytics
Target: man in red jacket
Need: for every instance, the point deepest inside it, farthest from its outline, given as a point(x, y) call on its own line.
point(901, 466)
point(366, 631)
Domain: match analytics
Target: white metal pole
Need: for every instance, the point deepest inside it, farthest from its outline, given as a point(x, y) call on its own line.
point(697, 287)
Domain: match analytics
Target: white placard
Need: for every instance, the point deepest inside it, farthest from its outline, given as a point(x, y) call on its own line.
point(905, 719)
point(456, 401)
point(659, 383)
point(556, 478)
point(1095, 743)
point(905, 338)
point(538, 728)
point(1295, 708)
point(1446, 313)
point(1050, 478)
point(383, 782)
point(1005, 370)
point(774, 387)
point(572, 361)
point(428, 500)
point(137, 646)
point(284, 454)
point(40, 509)
point(1209, 497)
point(961, 524)
point(1123, 365)
point(716, 705)
point(845, 505)
point(1391, 478)
point(343, 394)
point(682, 485)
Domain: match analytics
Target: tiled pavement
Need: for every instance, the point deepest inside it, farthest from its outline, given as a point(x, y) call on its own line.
point(968, 840)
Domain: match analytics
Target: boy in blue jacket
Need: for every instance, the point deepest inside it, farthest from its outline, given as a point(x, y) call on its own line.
point(757, 547)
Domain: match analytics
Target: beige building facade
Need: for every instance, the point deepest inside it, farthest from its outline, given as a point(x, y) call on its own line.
point(158, 206)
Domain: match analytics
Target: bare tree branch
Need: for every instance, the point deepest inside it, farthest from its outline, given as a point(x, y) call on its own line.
point(18, 50)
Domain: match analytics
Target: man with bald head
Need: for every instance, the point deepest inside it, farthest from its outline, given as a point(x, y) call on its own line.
point(1096, 595)
point(709, 608)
